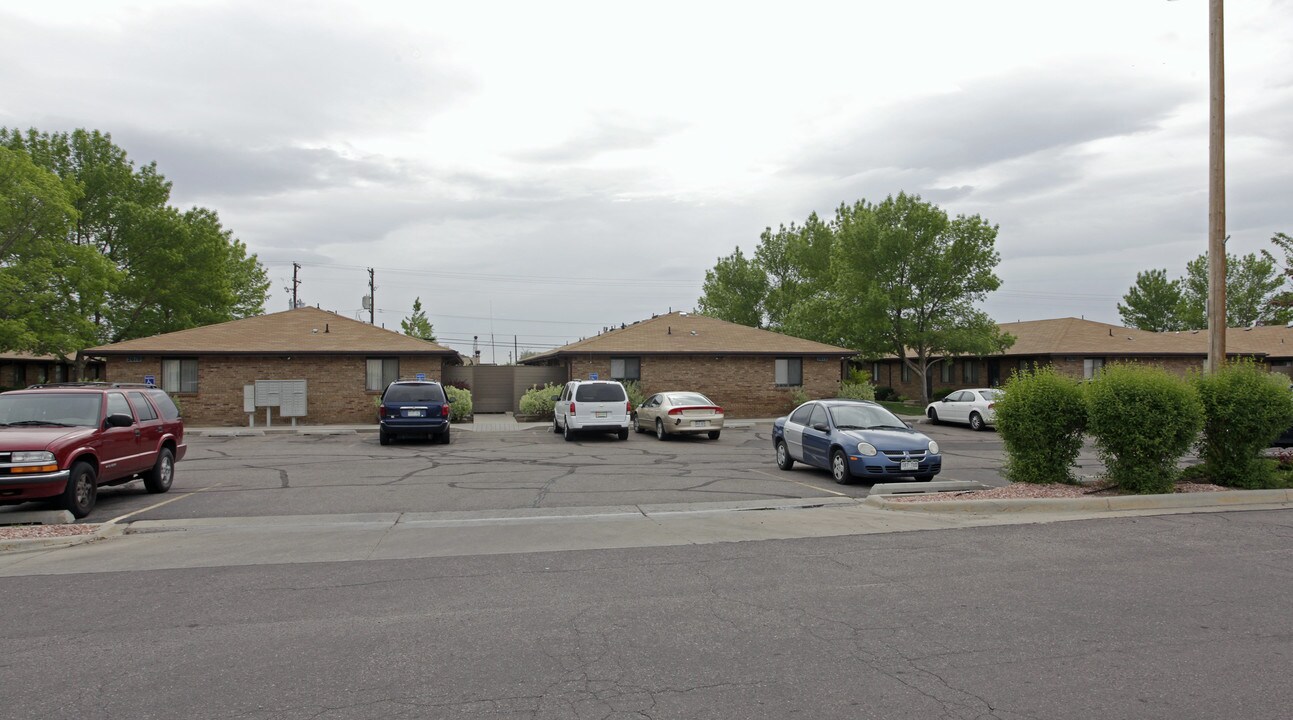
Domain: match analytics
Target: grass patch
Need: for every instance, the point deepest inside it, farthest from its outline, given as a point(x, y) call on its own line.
point(902, 408)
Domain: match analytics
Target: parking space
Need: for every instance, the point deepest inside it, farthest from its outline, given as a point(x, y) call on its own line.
point(289, 474)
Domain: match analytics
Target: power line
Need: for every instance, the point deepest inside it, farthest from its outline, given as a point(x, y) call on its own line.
point(541, 279)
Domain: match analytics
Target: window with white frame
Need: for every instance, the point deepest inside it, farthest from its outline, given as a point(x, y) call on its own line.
point(790, 371)
point(180, 375)
point(382, 371)
point(1091, 368)
point(626, 369)
point(875, 373)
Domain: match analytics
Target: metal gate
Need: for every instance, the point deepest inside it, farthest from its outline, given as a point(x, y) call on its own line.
point(498, 388)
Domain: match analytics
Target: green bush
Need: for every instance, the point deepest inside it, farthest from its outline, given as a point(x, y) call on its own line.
point(858, 376)
point(538, 400)
point(886, 394)
point(1244, 409)
point(857, 391)
point(1040, 417)
point(459, 403)
point(1143, 419)
point(636, 396)
point(941, 393)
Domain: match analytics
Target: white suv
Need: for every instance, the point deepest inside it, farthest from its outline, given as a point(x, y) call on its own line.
point(592, 406)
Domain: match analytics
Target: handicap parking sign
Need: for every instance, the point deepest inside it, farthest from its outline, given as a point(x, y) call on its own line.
point(592, 376)
point(150, 379)
point(420, 376)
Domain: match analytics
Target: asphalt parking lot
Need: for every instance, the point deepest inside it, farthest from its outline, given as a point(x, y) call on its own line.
point(291, 474)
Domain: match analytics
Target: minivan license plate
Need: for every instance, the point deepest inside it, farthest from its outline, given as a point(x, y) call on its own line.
point(601, 414)
point(908, 465)
point(415, 413)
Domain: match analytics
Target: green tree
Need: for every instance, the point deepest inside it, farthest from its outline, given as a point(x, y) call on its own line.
point(417, 324)
point(166, 270)
point(1152, 303)
point(906, 280)
point(46, 284)
point(1252, 282)
point(1282, 302)
point(734, 290)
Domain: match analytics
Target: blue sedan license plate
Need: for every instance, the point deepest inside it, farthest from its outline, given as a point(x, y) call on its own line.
point(908, 465)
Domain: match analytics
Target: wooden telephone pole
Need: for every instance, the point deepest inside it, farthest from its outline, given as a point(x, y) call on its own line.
point(1216, 191)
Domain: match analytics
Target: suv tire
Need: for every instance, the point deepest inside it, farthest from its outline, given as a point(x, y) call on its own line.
point(624, 434)
point(82, 490)
point(568, 433)
point(443, 438)
point(383, 437)
point(158, 480)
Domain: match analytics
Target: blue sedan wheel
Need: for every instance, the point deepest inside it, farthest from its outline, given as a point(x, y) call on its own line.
point(840, 468)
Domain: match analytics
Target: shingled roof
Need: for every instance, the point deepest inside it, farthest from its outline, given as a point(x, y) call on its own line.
point(304, 330)
point(1087, 337)
point(680, 333)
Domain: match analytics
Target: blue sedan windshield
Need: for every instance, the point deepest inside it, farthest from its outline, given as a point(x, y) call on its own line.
point(863, 417)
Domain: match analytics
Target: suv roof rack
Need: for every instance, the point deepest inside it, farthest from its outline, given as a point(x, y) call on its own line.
point(91, 384)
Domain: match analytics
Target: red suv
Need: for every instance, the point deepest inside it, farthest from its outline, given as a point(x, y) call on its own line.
point(62, 441)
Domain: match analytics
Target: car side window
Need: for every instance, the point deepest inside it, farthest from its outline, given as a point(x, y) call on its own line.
point(117, 405)
point(818, 417)
point(959, 397)
point(143, 410)
point(800, 416)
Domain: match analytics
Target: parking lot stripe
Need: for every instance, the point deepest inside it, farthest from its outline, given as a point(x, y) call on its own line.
point(167, 501)
point(777, 477)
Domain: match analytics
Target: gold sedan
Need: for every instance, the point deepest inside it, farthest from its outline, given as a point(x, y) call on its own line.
point(679, 413)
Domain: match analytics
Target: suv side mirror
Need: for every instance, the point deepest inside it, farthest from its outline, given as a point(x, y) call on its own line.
point(120, 420)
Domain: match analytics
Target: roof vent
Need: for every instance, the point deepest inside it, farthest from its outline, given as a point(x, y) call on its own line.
point(693, 332)
point(682, 314)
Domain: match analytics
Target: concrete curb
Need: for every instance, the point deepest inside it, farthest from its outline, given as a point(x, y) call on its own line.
point(105, 530)
point(1226, 498)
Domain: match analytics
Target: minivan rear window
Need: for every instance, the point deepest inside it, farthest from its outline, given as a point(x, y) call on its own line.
point(600, 392)
point(414, 392)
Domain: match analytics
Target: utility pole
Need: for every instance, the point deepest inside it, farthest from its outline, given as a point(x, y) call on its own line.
point(372, 299)
point(295, 300)
point(1216, 190)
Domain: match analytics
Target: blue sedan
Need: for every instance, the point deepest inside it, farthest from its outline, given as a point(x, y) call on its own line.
point(854, 439)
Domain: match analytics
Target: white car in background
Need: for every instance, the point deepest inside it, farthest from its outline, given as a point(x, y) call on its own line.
point(973, 407)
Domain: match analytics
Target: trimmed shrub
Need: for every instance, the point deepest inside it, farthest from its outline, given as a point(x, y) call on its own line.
point(459, 403)
point(1143, 419)
point(460, 384)
point(1244, 409)
point(941, 393)
point(538, 399)
point(634, 390)
point(886, 394)
point(857, 391)
point(1040, 418)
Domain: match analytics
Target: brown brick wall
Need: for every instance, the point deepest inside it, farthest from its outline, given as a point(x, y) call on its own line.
point(743, 385)
point(335, 392)
point(1070, 365)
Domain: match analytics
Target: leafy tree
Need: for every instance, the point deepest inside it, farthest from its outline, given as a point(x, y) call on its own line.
point(1252, 282)
point(734, 291)
point(906, 280)
point(899, 277)
point(1152, 303)
point(45, 282)
point(417, 324)
point(163, 269)
point(1283, 300)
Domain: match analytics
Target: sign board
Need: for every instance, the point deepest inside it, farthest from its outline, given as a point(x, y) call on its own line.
point(150, 379)
point(592, 376)
point(420, 376)
point(292, 398)
point(249, 398)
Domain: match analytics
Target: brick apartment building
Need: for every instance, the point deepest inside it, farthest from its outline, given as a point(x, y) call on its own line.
point(750, 372)
point(345, 364)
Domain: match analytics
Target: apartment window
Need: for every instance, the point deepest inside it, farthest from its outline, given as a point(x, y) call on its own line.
point(626, 369)
point(970, 372)
point(875, 373)
point(180, 375)
point(382, 372)
point(790, 371)
point(906, 372)
point(1091, 367)
point(945, 371)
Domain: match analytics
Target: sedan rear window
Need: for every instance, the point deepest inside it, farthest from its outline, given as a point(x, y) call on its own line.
point(689, 399)
point(600, 392)
point(414, 393)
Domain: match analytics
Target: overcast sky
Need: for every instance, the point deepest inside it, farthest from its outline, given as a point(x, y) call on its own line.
point(543, 170)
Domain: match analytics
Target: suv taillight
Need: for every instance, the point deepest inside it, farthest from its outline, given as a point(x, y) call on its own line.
point(381, 411)
point(628, 407)
point(572, 408)
point(444, 410)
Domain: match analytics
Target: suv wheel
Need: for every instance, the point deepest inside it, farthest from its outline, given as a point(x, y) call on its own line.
point(443, 437)
point(569, 434)
point(624, 433)
point(82, 490)
point(158, 480)
point(383, 437)
point(556, 429)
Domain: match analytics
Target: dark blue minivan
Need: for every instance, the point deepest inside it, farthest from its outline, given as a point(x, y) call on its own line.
point(413, 408)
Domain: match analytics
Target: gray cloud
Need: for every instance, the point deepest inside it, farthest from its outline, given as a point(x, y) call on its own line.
point(998, 119)
point(605, 135)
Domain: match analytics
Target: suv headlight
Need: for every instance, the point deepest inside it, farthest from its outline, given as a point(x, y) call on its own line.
point(33, 457)
point(866, 449)
point(933, 448)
